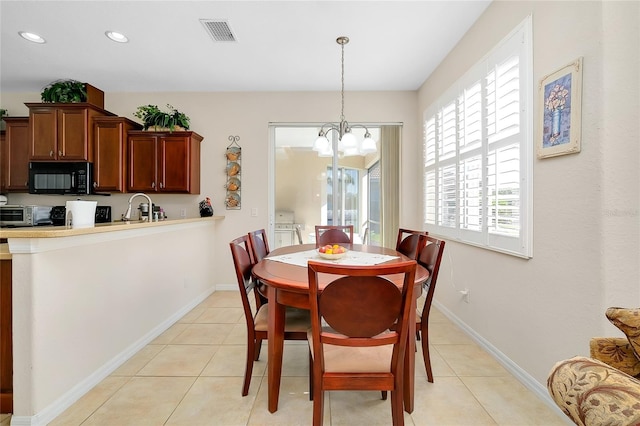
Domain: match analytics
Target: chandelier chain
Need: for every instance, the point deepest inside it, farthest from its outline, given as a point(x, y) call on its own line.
point(342, 81)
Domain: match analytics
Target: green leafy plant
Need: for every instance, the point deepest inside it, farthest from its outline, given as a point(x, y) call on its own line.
point(64, 91)
point(152, 116)
point(3, 112)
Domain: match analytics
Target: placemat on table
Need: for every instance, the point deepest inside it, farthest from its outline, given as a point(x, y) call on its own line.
point(361, 258)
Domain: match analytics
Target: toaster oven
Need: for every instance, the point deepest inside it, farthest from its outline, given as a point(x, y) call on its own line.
point(18, 215)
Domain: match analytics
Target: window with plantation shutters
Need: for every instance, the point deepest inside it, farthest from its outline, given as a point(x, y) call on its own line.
point(477, 153)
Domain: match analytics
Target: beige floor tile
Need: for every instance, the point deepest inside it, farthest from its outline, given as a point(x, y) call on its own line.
point(90, 402)
point(447, 402)
point(294, 406)
point(5, 419)
point(295, 359)
point(230, 360)
point(192, 315)
point(447, 333)
point(470, 360)
point(361, 408)
point(439, 366)
point(435, 316)
point(214, 401)
point(220, 316)
point(138, 361)
point(132, 404)
point(509, 402)
point(179, 360)
point(238, 334)
point(222, 299)
point(169, 334)
point(203, 334)
point(471, 387)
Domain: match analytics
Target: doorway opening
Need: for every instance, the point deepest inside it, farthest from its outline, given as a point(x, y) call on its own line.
point(307, 192)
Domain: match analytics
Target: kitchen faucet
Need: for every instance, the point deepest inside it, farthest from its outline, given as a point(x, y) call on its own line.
point(127, 216)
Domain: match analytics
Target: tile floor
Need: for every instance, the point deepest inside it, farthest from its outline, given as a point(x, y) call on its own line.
point(192, 374)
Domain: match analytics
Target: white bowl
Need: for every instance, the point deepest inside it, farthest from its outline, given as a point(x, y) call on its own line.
point(332, 256)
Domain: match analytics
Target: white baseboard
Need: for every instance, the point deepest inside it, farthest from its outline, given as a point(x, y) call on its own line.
point(521, 375)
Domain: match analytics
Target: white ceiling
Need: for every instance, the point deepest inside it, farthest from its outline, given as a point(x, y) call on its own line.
point(281, 45)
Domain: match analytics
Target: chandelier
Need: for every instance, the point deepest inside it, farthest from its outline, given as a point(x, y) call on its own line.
point(348, 144)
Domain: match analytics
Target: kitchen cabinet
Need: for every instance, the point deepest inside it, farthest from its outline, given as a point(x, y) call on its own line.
point(110, 153)
point(164, 162)
point(62, 132)
point(14, 159)
point(6, 340)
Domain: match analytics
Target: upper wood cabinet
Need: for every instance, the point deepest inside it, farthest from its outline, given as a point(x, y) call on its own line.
point(62, 132)
point(14, 157)
point(110, 153)
point(164, 162)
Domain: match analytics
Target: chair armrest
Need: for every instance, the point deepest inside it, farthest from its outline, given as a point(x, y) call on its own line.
point(616, 352)
point(591, 392)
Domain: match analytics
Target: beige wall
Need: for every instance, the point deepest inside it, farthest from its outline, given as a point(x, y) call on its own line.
point(586, 233)
point(216, 116)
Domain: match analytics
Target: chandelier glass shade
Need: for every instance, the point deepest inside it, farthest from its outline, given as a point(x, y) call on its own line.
point(348, 143)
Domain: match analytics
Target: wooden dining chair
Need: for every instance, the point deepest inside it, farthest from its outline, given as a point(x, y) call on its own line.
point(430, 257)
point(259, 250)
point(296, 320)
point(259, 244)
point(338, 234)
point(410, 242)
point(356, 350)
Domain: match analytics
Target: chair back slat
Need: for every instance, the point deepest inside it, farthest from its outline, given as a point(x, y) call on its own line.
point(410, 242)
point(243, 264)
point(360, 306)
point(339, 234)
point(259, 244)
point(430, 258)
point(360, 303)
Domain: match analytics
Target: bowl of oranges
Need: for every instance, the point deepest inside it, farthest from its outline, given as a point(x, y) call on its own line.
point(332, 251)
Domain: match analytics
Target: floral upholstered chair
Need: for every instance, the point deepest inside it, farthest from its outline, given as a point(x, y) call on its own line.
point(603, 389)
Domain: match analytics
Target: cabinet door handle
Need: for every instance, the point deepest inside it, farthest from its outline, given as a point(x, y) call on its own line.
point(153, 184)
point(95, 184)
point(59, 153)
point(51, 153)
point(161, 185)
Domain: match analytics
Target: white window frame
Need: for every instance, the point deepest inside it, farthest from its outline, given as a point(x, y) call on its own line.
point(453, 211)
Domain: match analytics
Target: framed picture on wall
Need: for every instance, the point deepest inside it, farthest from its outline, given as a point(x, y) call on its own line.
point(560, 118)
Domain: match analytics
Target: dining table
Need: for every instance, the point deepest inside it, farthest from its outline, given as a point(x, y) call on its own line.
point(284, 273)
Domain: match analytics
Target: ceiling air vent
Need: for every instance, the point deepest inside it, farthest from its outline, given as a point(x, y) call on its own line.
point(218, 29)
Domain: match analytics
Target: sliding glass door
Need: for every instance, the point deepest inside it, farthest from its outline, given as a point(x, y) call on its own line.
point(307, 191)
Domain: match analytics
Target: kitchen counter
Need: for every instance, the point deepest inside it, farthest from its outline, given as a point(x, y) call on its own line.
point(87, 299)
point(4, 252)
point(64, 231)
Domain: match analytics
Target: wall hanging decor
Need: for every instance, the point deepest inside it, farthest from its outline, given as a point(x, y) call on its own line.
point(560, 118)
point(234, 171)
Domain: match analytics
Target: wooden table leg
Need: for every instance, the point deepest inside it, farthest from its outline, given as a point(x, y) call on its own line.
point(276, 347)
point(409, 370)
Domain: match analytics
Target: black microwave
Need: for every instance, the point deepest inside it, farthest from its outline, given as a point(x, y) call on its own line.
point(60, 178)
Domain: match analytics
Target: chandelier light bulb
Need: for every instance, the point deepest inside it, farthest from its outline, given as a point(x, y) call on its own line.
point(327, 152)
point(349, 141)
point(368, 146)
point(321, 144)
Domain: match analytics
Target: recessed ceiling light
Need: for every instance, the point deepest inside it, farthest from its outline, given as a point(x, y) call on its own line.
point(116, 36)
point(35, 38)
